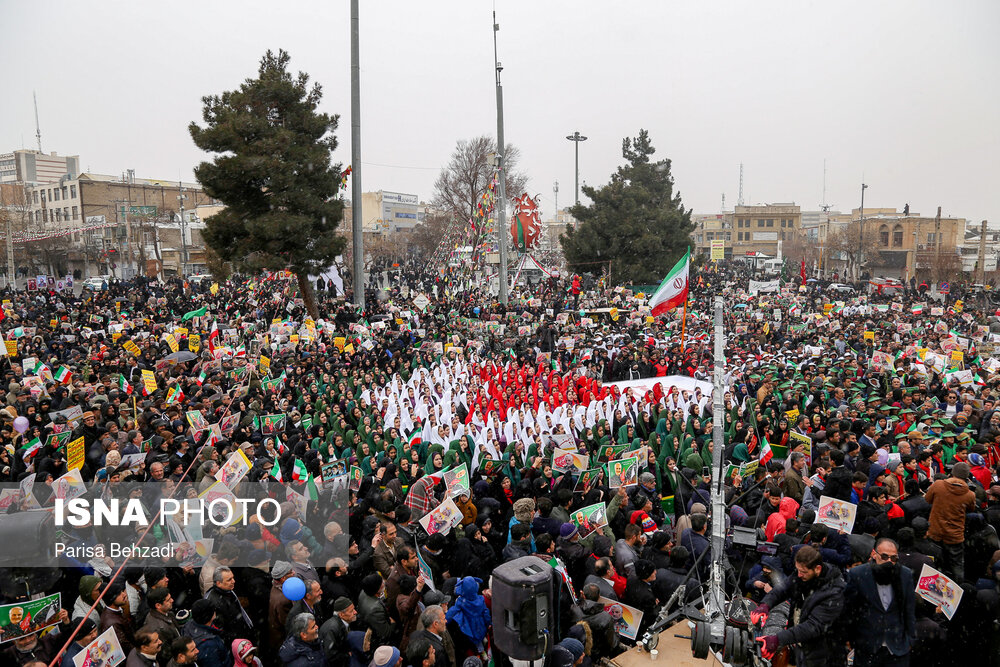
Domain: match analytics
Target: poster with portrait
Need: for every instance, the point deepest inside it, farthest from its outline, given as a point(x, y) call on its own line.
point(568, 459)
point(625, 618)
point(272, 424)
point(234, 469)
point(132, 463)
point(105, 651)
point(939, 590)
point(221, 510)
point(623, 472)
point(490, 467)
point(590, 518)
point(193, 553)
point(425, 570)
point(356, 476)
point(333, 469)
point(442, 518)
point(197, 420)
point(24, 618)
point(457, 481)
point(837, 514)
point(69, 486)
point(587, 480)
point(229, 422)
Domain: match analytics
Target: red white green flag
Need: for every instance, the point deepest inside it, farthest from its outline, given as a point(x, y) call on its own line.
point(673, 291)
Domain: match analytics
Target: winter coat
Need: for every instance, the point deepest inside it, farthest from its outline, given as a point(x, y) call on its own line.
point(297, 653)
point(815, 633)
point(950, 499)
point(776, 522)
point(211, 650)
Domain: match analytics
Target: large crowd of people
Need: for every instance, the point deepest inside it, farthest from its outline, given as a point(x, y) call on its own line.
point(860, 435)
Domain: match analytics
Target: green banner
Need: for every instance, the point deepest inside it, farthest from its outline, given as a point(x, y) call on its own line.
point(24, 618)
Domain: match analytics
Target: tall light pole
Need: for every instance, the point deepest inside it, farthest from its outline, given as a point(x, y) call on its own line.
point(356, 222)
point(184, 246)
point(501, 171)
point(576, 138)
point(861, 229)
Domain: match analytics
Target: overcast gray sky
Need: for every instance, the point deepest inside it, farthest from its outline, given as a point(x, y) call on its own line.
point(905, 93)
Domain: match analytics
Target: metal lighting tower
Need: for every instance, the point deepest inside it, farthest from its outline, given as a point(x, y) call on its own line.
point(576, 138)
point(502, 190)
point(356, 222)
point(184, 254)
point(861, 230)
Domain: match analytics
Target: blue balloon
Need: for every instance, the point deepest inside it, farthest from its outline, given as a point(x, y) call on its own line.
point(476, 310)
point(294, 589)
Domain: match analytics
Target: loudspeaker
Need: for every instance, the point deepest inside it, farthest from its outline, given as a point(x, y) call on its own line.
point(523, 615)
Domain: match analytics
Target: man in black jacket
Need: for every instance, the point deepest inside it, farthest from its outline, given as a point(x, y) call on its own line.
point(838, 481)
point(816, 597)
point(602, 627)
point(232, 619)
point(881, 609)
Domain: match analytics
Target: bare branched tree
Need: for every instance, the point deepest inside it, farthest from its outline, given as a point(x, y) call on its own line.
point(462, 183)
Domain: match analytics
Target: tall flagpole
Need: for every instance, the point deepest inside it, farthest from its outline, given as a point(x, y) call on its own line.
point(684, 321)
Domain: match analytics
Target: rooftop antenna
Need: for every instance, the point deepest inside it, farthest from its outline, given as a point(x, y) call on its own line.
point(824, 207)
point(38, 127)
point(555, 193)
point(723, 202)
point(739, 200)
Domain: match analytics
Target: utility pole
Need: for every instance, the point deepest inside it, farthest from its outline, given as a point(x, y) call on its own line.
point(715, 604)
point(38, 127)
point(576, 138)
point(357, 225)
point(937, 245)
point(501, 217)
point(861, 230)
point(982, 253)
point(9, 231)
point(184, 247)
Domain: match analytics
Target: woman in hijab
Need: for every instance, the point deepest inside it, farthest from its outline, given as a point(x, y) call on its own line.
point(471, 616)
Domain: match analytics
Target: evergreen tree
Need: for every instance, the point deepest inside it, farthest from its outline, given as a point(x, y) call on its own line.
point(273, 172)
point(636, 221)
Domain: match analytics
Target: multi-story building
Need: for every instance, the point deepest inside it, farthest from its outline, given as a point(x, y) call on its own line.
point(709, 227)
point(33, 167)
point(120, 224)
point(554, 228)
point(762, 229)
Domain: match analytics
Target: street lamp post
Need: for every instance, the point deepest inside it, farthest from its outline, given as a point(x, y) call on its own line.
point(576, 138)
point(861, 229)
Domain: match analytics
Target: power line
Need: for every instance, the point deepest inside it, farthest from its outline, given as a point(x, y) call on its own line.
point(400, 166)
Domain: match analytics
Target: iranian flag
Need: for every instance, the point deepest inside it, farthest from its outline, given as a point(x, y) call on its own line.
point(299, 472)
point(123, 384)
point(213, 334)
point(175, 395)
point(63, 375)
point(673, 291)
point(201, 378)
point(276, 471)
point(415, 437)
point(918, 309)
point(765, 452)
point(30, 449)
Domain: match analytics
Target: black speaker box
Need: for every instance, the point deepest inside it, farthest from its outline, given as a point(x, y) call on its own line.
point(523, 615)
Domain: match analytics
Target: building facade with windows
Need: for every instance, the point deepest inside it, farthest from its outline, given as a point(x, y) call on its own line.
point(763, 228)
point(34, 167)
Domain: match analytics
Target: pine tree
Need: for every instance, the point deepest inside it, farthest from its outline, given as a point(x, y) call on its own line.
point(273, 172)
point(636, 221)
